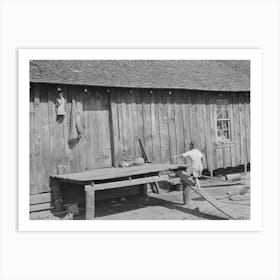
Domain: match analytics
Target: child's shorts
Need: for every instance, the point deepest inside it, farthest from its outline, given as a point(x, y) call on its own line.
point(196, 170)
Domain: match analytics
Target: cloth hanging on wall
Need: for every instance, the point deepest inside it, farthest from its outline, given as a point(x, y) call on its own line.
point(60, 104)
point(77, 126)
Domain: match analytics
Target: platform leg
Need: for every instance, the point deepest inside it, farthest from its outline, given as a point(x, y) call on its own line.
point(90, 202)
point(186, 194)
point(55, 189)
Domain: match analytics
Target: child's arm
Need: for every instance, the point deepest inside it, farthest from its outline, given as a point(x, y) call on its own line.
point(178, 156)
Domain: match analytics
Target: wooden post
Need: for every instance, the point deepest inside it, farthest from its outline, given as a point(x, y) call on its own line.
point(145, 187)
point(55, 188)
point(186, 194)
point(186, 182)
point(90, 202)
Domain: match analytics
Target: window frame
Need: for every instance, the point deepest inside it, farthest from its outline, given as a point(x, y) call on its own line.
point(222, 120)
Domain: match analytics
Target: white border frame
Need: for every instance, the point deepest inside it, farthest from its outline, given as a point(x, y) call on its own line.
point(25, 224)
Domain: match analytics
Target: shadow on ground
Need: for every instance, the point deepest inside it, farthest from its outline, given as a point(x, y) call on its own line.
point(113, 207)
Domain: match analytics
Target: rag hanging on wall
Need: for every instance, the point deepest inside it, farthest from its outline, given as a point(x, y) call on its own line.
point(60, 107)
point(77, 126)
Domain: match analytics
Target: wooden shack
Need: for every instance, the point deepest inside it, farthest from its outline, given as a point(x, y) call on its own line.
point(167, 104)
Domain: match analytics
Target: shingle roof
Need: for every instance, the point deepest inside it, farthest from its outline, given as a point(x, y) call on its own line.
point(214, 75)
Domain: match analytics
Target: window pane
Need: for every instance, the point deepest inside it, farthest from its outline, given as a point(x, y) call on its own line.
point(225, 114)
point(219, 125)
point(225, 125)
point(226, 134)
point(219, 114)
point(219, 107)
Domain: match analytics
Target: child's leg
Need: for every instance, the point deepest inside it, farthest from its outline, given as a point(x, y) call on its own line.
point(197, 183)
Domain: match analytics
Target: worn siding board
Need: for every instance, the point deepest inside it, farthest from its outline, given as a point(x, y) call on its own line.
point(193, 118)
point(171, 125)
point(72, 152)
point(242, 129)
point(120, 124)
point(82, 142)
point(44, 139)
point(114, 123)
point(155, 127)
point(206, 122)
point(148, 145)
point(32, 154)
point(139, 118)
point(232, 133)
point(130, 123)
point(135, 122)
point(248, 126)
point(103, 141)
point(124, 126)
point(236, 122)
point(163, 127)
point(179, 128)
point(91, 128)
point(212, 118)
point(186, 119)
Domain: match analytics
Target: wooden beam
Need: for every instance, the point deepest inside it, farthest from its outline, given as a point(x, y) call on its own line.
point(132, 182)
point(40, 198)
point(90, 202)
point(41, 207)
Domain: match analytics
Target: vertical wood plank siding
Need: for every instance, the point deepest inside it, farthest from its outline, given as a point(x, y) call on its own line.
point(115, 120)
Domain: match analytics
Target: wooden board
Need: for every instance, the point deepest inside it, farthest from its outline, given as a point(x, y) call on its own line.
point(111, 173)
point(148, 145)
point(32, 154)
point(44, 140)
point(171, 125)
point(114, 127)
point(236, 123)
point(98, 142)
point(80, 94)
point(132, 182)
point(193, 118)
point(40, 198)
point(56, 130)
point(163, 127)
point(130, 125)
point(207, 125)
point(179, 128)
point(186, 119)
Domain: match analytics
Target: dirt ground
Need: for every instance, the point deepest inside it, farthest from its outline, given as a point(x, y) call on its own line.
point(168, 204)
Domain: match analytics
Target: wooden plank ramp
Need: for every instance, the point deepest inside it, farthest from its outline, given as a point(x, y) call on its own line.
point(220, 207)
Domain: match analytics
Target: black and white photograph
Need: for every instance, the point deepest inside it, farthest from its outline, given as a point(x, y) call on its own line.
point(139, 139)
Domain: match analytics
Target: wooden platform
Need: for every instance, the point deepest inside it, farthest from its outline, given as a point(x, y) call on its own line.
point(108, 178)
point(114, 173)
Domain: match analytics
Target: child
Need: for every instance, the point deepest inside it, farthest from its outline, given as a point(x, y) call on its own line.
point(195, 158)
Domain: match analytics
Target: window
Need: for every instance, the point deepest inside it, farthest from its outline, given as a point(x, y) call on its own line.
point(223, 120)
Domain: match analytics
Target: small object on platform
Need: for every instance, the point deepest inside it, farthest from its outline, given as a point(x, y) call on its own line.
point(139, 161)
point(124, 163)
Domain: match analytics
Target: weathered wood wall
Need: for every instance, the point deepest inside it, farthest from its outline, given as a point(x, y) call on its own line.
point(168, 120)
point(165, 120)
point(49, 145)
